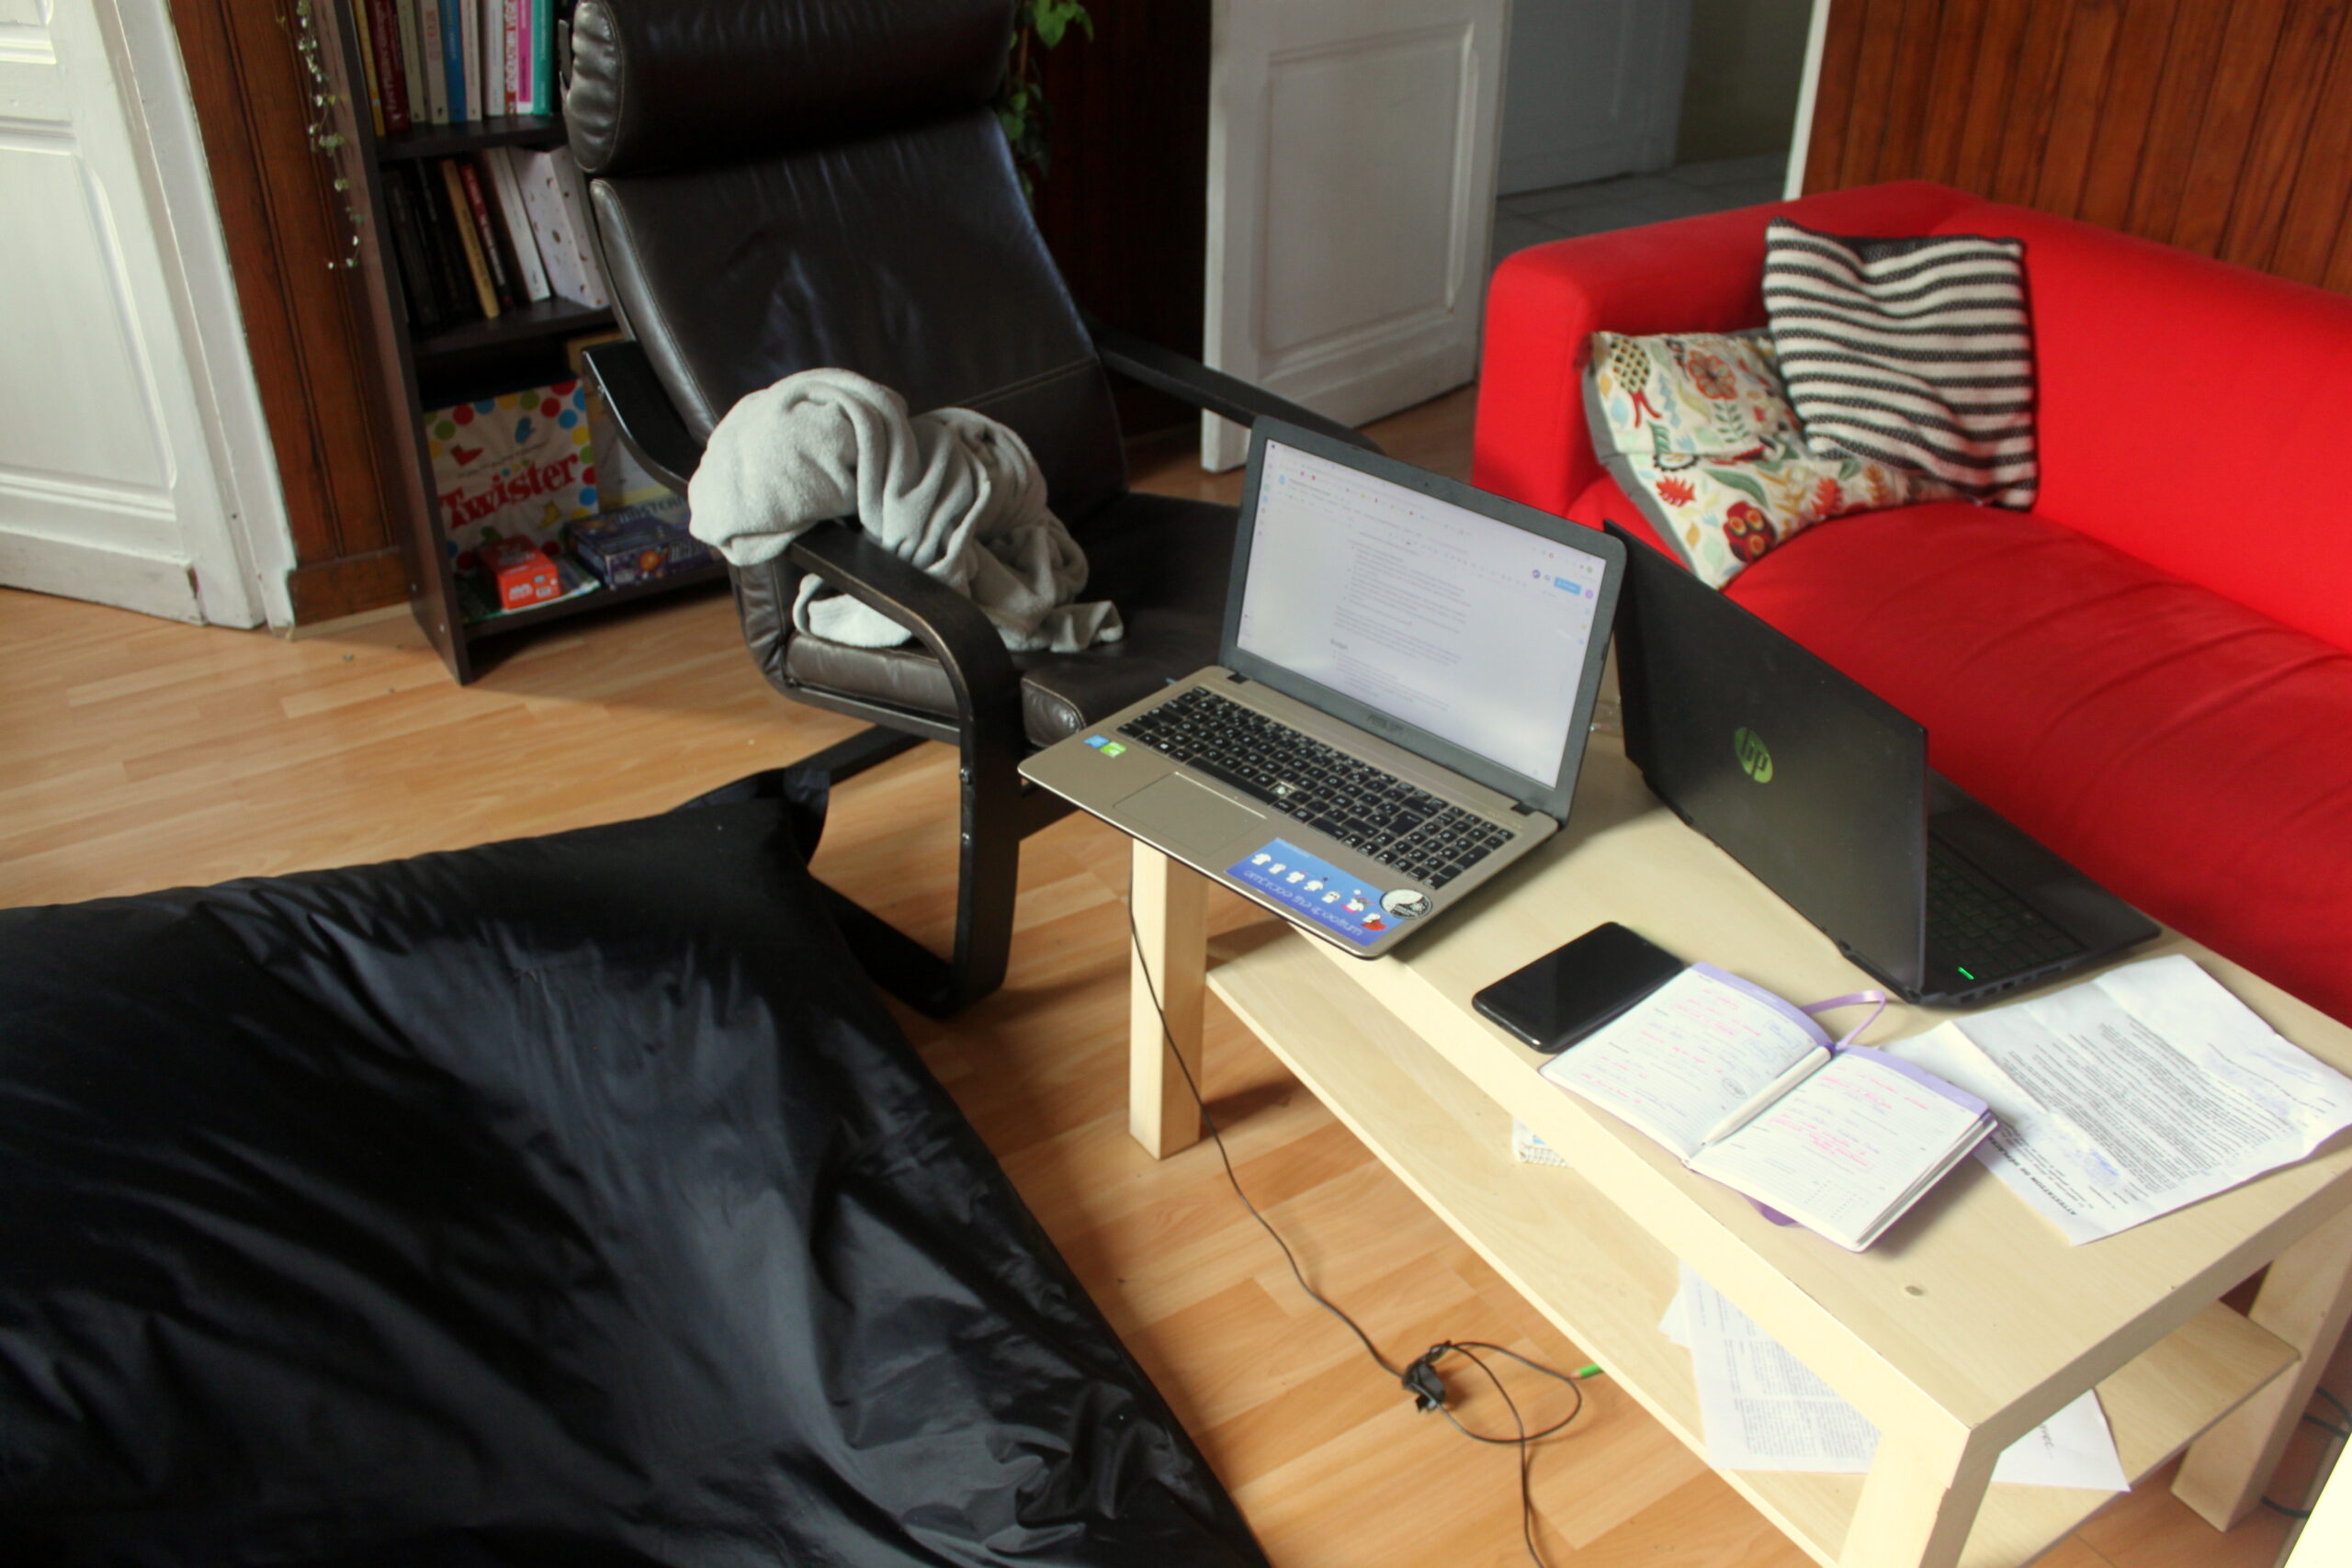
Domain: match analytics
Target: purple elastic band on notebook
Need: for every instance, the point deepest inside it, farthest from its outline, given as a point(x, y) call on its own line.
point(1852, 999)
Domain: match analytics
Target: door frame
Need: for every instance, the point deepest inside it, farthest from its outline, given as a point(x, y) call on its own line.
point(256, 550)
point(1808, 86)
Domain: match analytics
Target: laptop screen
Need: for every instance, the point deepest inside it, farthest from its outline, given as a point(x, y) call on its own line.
point(1469, 628)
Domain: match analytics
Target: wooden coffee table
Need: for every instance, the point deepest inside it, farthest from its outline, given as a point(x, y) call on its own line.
point(1969, 1325)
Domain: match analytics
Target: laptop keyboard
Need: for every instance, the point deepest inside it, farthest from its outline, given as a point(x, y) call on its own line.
point(1988, 930)
point(1377, 814)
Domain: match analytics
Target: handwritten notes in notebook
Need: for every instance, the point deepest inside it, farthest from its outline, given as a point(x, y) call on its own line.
point(1744, 1088)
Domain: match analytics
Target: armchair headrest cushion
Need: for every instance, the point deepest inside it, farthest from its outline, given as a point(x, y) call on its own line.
point(662, 84)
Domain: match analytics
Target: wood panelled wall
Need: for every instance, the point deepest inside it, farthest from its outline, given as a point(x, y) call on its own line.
point(285, 226)
point(2224, 126)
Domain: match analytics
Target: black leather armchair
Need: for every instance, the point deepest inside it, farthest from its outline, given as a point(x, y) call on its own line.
point(781, 184)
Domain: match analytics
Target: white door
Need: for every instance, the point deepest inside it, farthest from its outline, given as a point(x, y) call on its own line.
point(1352, 184)
point(108, 487)
point(1593, 89)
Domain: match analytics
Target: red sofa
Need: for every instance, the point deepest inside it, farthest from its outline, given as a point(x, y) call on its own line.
point(2152, 670)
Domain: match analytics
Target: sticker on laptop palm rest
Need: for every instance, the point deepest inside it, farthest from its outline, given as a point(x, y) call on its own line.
point(1317, 889)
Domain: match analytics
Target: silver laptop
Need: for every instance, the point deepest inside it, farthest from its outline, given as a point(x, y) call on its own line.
point(1405, 682)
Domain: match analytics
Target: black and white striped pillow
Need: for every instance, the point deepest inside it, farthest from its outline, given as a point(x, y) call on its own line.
point(1914, 352)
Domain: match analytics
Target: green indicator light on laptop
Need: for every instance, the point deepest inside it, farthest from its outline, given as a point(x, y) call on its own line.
point(1965, 974)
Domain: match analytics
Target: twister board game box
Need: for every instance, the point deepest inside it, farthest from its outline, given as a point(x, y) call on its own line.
point(520, 465)
point(622, 480)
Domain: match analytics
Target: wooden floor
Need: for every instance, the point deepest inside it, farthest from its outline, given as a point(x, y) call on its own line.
point(135, 754)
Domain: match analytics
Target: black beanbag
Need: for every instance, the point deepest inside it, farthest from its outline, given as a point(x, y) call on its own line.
point(566, 1201)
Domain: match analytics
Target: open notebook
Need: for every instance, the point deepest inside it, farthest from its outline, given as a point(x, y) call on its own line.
point(1747, 1090)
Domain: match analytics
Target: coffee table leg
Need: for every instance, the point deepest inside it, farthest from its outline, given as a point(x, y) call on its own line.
point(2305, 1300)
point(1171, 905)
point(1919, 1500)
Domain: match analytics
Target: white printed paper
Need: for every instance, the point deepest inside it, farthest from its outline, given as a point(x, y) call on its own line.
point(1763, 1409)
point(1527, 1147)
point(2134, 1094)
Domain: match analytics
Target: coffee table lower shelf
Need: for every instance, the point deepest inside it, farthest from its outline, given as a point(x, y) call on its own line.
point(1605, 1282)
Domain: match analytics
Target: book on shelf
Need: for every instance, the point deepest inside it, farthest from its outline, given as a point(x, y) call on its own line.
point(529, 96)
point(557, 201)
point(469, 246)
point(428, 310)
point(486, 234)
point(420, 111)
point(510, 56)
point(495, 96)
point(543, 54)
point(430, 34)
point(368, 75)
point(449, 254)
point(453, 60)
point(447, 262)
point(469, 57)
point(1747, 1090)
point(378, 25)
point(466, 242)
point(531, 274)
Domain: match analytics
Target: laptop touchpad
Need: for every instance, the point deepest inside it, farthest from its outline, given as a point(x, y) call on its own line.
point(1176, 810)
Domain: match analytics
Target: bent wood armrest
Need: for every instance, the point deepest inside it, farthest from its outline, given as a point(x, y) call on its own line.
point(1165, 370)
point(963, 640)
point(649, 420)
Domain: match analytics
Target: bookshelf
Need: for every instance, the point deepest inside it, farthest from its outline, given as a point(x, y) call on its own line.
point(420, 369)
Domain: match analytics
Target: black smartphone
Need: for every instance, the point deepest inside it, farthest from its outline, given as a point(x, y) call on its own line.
point(1574, 989)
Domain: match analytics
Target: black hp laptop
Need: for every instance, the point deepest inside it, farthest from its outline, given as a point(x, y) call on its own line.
point(1400, 702)
point(1823, 792)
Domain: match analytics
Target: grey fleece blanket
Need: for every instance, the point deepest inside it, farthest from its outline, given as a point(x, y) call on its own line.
point(951, 491)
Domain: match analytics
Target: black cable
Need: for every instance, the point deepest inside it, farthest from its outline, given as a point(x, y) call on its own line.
point(1420, 1378)
point(1525, 1441)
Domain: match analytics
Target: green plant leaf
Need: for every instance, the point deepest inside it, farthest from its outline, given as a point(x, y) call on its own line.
point(1022, 112)
point(1051, 19)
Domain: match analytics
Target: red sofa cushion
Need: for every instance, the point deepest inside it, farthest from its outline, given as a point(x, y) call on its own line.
point(2190, 754)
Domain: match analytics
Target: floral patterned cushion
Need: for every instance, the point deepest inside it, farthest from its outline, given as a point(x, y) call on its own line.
point(1697, 429)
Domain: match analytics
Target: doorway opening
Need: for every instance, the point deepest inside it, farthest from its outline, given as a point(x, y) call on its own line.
point(1618, 113)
